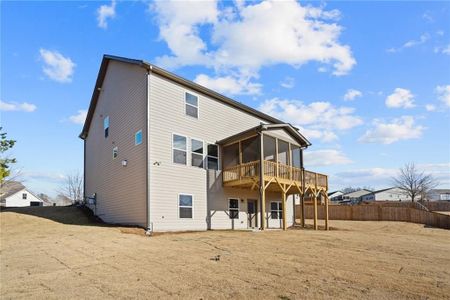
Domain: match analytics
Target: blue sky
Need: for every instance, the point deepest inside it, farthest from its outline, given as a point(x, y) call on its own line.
point(367, 82)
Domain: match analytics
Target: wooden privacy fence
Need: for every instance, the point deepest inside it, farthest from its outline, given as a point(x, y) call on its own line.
point(378, 213)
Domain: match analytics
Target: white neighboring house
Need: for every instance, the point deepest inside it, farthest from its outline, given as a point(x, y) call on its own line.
point(355, 196)
point(15, 194)
point(439, 195)
point(335, 196)
point(389, 194)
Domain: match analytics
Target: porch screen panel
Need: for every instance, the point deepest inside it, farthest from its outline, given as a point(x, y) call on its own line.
point(283, 150)
point(231, 155)
point(295, 156)
point(269, 148)
point(250, 150)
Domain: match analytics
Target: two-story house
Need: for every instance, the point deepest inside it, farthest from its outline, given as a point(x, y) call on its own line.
point(168, 154)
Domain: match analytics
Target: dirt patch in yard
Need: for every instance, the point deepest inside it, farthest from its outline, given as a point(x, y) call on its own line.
point(60, 253)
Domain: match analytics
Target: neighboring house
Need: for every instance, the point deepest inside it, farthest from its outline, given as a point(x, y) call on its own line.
point(335, 196)
point(354, 197)
point(167, 154)
point(15, 194)
point(389, 194)
point(439, 195)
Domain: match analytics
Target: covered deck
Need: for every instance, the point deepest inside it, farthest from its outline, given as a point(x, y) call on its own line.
point(269, 158)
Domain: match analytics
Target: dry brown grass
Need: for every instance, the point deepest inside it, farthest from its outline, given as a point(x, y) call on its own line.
point(60, 253)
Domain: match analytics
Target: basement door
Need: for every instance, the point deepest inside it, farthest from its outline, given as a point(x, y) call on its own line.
point(251, 213)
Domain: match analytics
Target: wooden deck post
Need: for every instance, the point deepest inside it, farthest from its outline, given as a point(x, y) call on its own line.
point(302, 199)
point(326, 212)
point(262, 188)
point(315, 210)
point(284, 210)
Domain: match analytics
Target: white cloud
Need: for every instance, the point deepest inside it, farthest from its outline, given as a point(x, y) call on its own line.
point(325, 157)
point(13, 106)
point(79, 118)
point(248, 36)
point(403, 128)
point(430, 107)
point(57, 67)
point(411, 43)
point(400, 98)
point(104, 13)
point(229, 84)
point(288, 82)
point(352, 94)
point(443, 92)
point(318, 119)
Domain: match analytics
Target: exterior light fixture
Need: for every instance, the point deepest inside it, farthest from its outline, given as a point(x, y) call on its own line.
point(124, 163)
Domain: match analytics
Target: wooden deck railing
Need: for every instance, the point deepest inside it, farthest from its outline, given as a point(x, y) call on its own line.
point(273, 169)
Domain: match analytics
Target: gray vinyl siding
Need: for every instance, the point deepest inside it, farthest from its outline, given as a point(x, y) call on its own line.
point(167, 180)
point(121, 191)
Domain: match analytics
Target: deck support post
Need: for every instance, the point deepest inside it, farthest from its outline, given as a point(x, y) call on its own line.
point(326, 213)
point(315, 210)
point(284, 209)
point(302, 199)
point(262, 188)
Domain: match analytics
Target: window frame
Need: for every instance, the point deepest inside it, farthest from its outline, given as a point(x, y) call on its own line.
point(24, 196)
point(279, 210)
point(234, 209)
point(191, 152)
point(207, 156)
point(186, 103)
point(115, 150)
point(106, 128)
point(186, 150)
point(135, 135)
point(192, 206)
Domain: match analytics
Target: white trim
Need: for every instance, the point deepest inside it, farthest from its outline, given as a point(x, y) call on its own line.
point(142, 137)
point(187, 149)
point(178, 206)
point(197, 107)
point(238, 208)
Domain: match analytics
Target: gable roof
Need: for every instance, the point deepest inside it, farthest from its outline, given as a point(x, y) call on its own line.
point(166, 74)
point(9, 188)
point(358, 193)
point(297, 136)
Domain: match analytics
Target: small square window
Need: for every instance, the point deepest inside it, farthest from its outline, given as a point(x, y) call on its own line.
point(138, 138)
point(233, 208)
point(24, 196)
point(185, 206)
point(191, 103)
point(115, 152)
point(276, 210)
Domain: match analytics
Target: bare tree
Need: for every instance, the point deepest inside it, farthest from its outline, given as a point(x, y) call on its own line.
point(73, 187)
point(413, 182)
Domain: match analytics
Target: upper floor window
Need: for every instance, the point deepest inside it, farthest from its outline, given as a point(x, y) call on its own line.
point(138, 137)
point(106, 126)
point(191, 103)
point(197, 153)
point(24, 196)
point(115, 152)
point(213, 157)
point(179, 145)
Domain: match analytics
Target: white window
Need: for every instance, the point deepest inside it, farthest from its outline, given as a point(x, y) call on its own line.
point(106, 126)
point(185, 206)
point(233, 208)
point(179, 145)
point(138, 138)
point(197, 153)
point(191, 103)
point(276, 210)
point(115, 152)
point(212, 160)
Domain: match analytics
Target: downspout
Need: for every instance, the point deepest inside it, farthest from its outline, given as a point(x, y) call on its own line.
point(302, 196)
point(149, 228)
point(84, 170)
